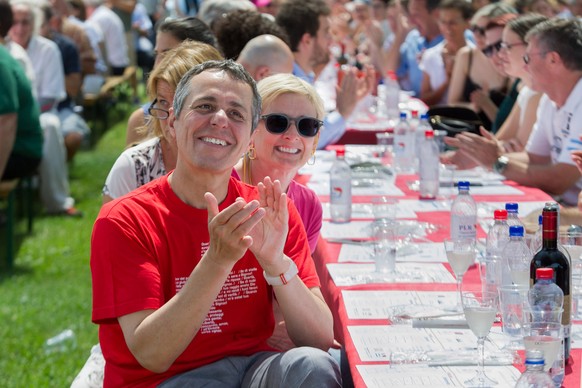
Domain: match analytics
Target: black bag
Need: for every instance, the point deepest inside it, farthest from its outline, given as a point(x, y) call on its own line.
point(454, 119)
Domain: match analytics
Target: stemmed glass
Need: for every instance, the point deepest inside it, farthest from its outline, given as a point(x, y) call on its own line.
point(460, 255)
point(480, 309)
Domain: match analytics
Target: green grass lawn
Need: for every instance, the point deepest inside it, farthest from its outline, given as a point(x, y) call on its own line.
point(49, 289)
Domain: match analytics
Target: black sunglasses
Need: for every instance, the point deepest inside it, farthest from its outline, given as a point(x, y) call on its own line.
point(492, 49)
point(278, 123)
point(478, 30)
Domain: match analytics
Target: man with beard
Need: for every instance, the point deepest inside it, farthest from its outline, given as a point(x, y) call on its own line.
point(307, 25)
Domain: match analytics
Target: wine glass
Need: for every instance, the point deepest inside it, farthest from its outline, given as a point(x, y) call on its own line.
point(460, 255)
point(480, 309)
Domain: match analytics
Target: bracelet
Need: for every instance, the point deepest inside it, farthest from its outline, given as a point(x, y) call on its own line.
point(283, 278)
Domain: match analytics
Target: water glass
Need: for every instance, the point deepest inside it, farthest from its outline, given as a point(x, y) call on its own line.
point(385, 140)
point(512, 304)
point(490, 273)
point(572, 242)
point(385, 245)
point(549, 338)
point(384, 209)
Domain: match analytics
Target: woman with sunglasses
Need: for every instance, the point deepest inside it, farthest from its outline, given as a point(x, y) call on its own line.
point(513, 135)
point(474, 71)
point(154, 157)
point(285, 139)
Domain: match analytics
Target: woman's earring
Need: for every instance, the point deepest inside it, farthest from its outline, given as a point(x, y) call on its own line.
point(252, 152)
point(311, 160)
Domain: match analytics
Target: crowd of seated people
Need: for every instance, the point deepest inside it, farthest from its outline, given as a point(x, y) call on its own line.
point(516, 65)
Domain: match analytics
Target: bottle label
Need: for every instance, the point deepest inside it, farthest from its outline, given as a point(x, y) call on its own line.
point(463, 227)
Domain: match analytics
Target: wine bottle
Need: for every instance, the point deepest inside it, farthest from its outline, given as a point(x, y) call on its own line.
point(551, 257)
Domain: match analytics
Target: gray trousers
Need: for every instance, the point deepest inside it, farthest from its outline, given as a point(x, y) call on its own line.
point(298, 367)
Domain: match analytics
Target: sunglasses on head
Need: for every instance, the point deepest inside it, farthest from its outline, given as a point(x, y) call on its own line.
point(278, 123)
point(492, 49)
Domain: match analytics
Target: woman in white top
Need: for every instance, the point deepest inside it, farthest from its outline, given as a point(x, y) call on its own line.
point(514, 133)
point(437, 62)
point(156, 156)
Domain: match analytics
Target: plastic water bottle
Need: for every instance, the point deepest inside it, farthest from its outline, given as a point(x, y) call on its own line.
point(429, 167)
point(536, 243)
point(340, 188)
point(534, 375)
point(546, 298)
point(423, 126)
point(545, 295)
point(391, 94)
point(404, 152)
point(498, 234)
point(60, 343)
point(463, 214)
point(516, 258)
point(512, 214)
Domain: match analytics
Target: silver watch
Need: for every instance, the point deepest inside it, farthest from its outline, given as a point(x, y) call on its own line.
point(500, 164)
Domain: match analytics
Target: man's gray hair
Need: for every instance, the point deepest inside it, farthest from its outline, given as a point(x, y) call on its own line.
point(234, 70)
point(563, 36)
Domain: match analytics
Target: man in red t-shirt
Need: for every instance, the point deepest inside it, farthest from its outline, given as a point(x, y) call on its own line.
point(185, 267)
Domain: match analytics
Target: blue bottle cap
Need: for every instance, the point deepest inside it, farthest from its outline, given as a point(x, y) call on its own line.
point(540, 219)
point(511, 207)
point(516, 230)
point(403, 115)
point(463, 185)
point(424, 116)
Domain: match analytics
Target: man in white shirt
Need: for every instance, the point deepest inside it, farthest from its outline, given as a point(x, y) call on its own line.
point(100, 15)
point(554, 60)
point(50, 90)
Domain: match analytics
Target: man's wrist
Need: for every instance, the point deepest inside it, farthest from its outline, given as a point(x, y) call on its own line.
point(284, 277)
point(500, 164)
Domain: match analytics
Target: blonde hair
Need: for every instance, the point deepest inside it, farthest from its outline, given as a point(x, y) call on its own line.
point(175, 64)
point(276, 85)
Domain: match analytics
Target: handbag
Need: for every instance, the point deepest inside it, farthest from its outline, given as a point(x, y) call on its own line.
point(454, 120)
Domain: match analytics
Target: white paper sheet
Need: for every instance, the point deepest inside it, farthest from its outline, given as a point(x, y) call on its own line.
point(352, 274)
point(424, 206)
point(367, 304)
point(382, 376)
point(495, 190)
point(364, 229)
point(365, 211)
point(417, 252)
point(360, 187)
point(378, 342)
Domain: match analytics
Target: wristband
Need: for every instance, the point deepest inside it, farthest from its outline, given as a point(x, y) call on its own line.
point(283, 278)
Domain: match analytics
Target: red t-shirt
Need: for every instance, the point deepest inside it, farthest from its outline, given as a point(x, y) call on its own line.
point(143, 249)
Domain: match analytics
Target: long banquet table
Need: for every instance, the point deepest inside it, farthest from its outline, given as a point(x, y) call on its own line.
point(328, 253)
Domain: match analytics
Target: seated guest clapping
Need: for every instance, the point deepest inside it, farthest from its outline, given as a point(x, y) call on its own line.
point(285, 139)
point(204, 254)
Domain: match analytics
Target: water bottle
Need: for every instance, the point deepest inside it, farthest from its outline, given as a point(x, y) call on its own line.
point(546, 300)
point(551, 256)
point(545, 296)
point(416, 136)
point(512, 214)
point(534, 375)
point(463, 214)
point(423, 126)
point(60, 343)
point(403, 148)
point(391, 95)
point(340, 188)
point(498, 234)
point(516, 258)
point(429, 167)
point(536, 242)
